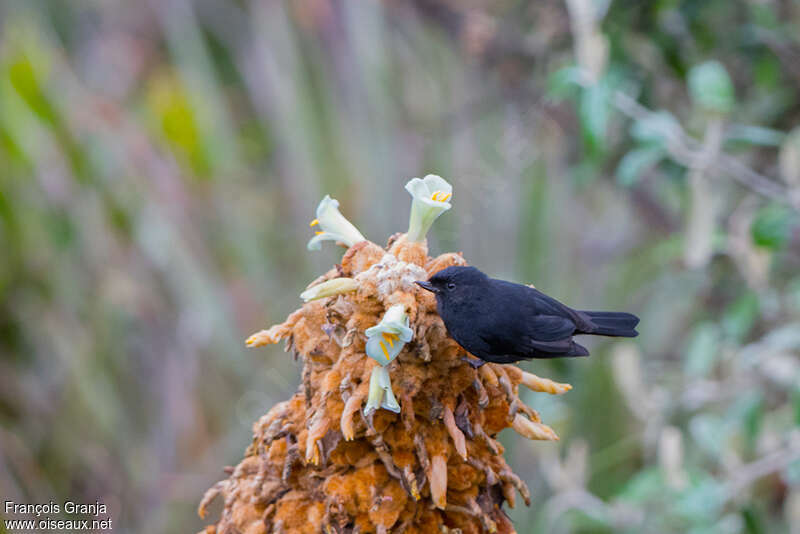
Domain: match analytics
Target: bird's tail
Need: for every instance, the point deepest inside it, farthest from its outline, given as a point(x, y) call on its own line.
point(616, 324)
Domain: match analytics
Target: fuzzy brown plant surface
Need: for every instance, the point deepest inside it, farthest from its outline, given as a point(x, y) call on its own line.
point(318, 464)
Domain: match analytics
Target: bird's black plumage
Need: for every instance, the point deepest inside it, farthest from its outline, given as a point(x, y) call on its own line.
point(503, 322)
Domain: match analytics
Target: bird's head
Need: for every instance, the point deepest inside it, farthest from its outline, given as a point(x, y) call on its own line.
point(453, 282)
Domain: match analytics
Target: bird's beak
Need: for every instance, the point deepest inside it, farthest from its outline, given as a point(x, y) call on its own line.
point(427, 285)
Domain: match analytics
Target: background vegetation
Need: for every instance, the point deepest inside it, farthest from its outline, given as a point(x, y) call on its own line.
point(160, 161)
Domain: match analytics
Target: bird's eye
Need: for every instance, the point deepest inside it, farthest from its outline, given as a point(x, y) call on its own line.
point(451, 285)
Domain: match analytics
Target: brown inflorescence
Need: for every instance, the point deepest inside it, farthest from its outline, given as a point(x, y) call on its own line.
point(317, 464)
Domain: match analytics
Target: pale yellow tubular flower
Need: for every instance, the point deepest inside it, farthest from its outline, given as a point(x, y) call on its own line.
point(337, 286)
point(335, 227)
point(386, 339)
point(380, 392)
point(430, 197)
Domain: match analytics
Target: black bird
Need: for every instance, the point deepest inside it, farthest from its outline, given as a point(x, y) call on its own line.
point(503, 322)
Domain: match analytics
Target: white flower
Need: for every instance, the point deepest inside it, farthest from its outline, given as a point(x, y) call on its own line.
point(334, 225)
point(386, 339)
point(329, 288)
point(430, 198)
point(380, 392)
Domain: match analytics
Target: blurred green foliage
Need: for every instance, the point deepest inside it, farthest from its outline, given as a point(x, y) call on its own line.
point(159, 163)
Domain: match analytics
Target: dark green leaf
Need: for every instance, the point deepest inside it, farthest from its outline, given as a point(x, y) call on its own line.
point(754, 135)
point(656, 128)
point(740, 316)
point(563, 83)
point(702, 350)
point(645, 485)
point(710, 432)
point(772, 226)
point(711, 88)
point(753, 520)
point(636, 162)
point(594, 111)
point(747, 413)
point(792, 473)
point(701, 502)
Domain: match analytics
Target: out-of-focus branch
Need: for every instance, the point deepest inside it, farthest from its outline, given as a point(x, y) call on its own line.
point(584, 20)
point(700, 158)
point(762, 467)
point(685, 149)
point(591, 46)
point(703, 212)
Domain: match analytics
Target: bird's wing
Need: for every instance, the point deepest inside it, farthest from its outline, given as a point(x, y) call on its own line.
point(547, 305)
point(562, 346)
point(529, 300)
point(546, 328)
point(538, 304)
point(546, 333)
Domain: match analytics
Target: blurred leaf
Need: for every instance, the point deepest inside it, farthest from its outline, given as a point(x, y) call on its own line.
point(9, 146)
point(28, 69)
point(594, 111)
point(772, 226)
point(702, 350)
point(792, 473)
point(753, 520)
point(597, 522)
point(636, 162)
point(763, 15)
point(585, 172)
point(563, 83)
point(710, 432)
point(754, 135)
point(783, 338)
point(747, 413)
point(28, 74)
point(768, 73)
point(62, 230)
point(702, 501)
point(171, 104)
point(643, 486)
point(710, 87)
point(740, 316)
point(656, 128)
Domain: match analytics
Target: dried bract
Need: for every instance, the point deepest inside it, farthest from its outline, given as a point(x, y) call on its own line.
point(331, 460)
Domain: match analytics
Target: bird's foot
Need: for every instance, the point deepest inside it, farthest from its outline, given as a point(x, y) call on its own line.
point(473, 362)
